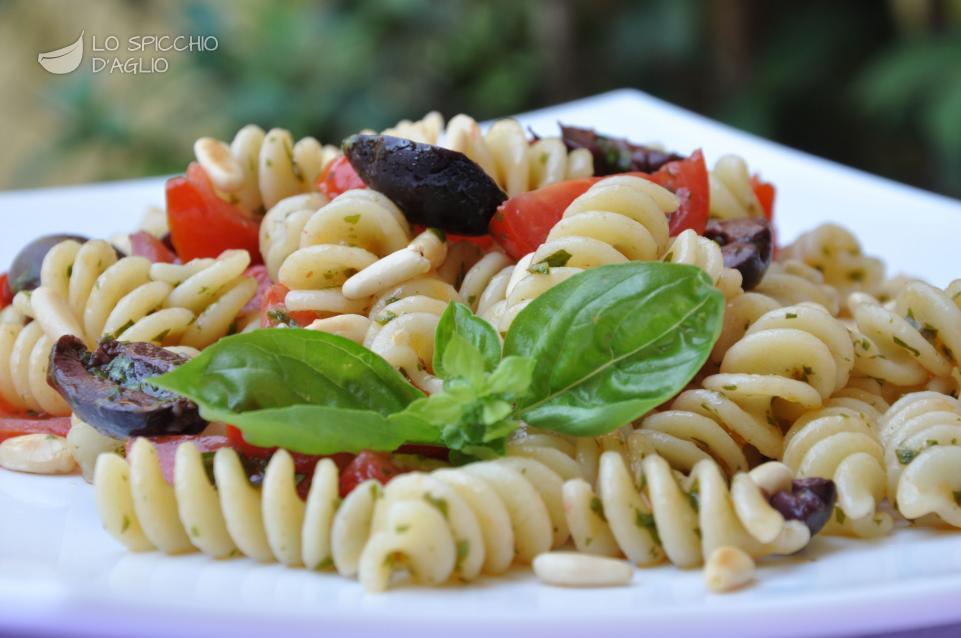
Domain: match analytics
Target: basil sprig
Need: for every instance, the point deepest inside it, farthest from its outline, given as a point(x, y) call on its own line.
point(589, 355)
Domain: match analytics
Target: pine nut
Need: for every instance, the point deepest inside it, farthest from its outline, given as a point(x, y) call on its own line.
point(572, 569)
point(727, 569)
point(37, 454)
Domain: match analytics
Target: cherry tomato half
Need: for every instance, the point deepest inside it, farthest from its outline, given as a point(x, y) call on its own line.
point(522, 223)
point(339, 177)
point(204, 225)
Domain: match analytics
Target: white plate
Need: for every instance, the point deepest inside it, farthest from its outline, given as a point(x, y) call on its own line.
point(59, 573)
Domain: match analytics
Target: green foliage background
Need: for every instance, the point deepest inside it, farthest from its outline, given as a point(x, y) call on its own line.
point(872, 84)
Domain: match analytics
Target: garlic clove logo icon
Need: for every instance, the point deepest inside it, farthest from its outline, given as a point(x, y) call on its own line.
point(63, 60)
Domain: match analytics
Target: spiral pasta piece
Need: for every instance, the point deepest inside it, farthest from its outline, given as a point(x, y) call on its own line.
point(511, 160)
point(402, 323)
point(840, 443)
point(911, 339)
point(921, 436)
point(679, 518)
point(86, 291)
point(836, 253)
point(215, 290)
point(731, 192)
point(350, 249)
point(24, 360)
point(618, 219)
point(479, 518)
point(790, 361)
point(257, 169)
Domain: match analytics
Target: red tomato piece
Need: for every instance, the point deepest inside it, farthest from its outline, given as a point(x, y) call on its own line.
point(166, 447)
point(11, 426)
point(522, 223)
point(143, 244)
point(204, 225)
point(339, 177)
point(765, 193)
point(368, 465)
point(6, 293)
point(259, 273)
point(273, 311)
point(688, 180)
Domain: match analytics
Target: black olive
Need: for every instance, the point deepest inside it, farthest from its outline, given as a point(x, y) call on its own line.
point(746, 245)
point(811, 500)
point(614, 154)
point(434, 186)
point(25, 269)
point(107, 388)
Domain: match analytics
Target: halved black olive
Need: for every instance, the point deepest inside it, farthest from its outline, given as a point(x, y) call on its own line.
point(434, 186)
point(615, 154)
point(25, 269)
point(746, 245)
point(810, 500)
point(107, 388)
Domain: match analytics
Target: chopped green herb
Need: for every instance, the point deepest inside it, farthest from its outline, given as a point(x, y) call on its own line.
point(791, 315)
point(840, 516)
point(439, 503)
point(540, 268)
point(646, 521)
point(598, 508)
point(125, 525)
point(905, 455)
point(352, 219)
point(911, 349)
point(558, 259)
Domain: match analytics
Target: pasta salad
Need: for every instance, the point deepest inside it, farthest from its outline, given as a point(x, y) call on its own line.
point(440, 351)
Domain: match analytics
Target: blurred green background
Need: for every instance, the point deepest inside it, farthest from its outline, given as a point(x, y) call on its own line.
point(873, 84)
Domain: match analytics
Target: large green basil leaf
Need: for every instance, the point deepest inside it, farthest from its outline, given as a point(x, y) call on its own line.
point(611, 343)
point(458, 320)
point(319, 429)
point(279, 368)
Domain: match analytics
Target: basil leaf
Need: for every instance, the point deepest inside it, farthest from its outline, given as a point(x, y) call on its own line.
point(461, 360)
point(459, 320)
point(279, 368)
point(512, 376)
point(611, 343)
point(319, 429)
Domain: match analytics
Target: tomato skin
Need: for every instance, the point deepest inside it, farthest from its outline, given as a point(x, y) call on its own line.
point(765, 193)
point(204, 225)
point(11, 426)
point(272, 309)
point(522, 223)
point(368, 465)
point(6, 293)
point(143, 244)
point(338, 178)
